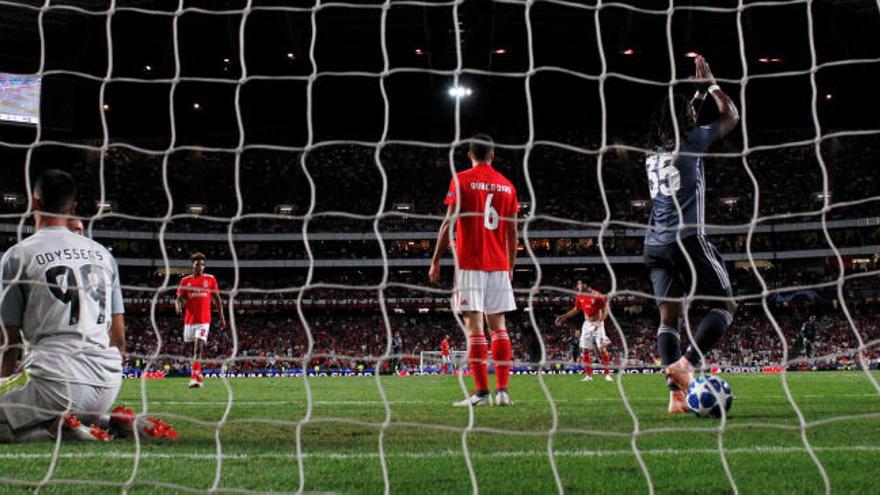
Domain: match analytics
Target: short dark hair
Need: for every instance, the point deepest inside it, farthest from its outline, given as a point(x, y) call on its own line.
point(481, 147)
point(198, 256)
point(56, 190)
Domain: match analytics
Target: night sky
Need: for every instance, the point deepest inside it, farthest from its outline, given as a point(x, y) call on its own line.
point(495, 59)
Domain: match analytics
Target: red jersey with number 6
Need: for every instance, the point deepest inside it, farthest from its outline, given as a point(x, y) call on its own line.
point(590, 303)
point(197, 292)
point(485, 198)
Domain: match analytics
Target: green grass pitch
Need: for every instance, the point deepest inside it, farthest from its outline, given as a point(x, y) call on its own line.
point(422, 443)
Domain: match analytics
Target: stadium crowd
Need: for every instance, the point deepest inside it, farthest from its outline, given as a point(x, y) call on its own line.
point(266, 339)
point(346, 178)
point(422, 248)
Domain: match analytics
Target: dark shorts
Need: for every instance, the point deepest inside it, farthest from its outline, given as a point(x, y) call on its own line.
point(671, 274)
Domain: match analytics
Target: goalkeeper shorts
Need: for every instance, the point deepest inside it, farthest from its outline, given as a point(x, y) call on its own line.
point(28, 401)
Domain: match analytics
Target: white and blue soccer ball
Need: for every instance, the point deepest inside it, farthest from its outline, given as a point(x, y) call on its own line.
point(707, 394)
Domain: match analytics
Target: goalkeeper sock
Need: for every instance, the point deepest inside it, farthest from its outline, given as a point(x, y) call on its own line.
point(711, 328)
point(588, 363)
point(668, 345)
point(196, 370)
point(478, 353)
point(501, 355)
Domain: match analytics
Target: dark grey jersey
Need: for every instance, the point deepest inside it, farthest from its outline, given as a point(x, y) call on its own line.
point(683, 176)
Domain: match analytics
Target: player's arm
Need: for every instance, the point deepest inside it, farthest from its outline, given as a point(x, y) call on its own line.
point(180, 302)
point(219, 301)
point(511, 243)
point(567, 315)
point(697, 102)
point(603, 311)
point(441, 246)
point(117, 332)
point(12, 305)
point(117, 310)
point(12, 341)
point(729, 115)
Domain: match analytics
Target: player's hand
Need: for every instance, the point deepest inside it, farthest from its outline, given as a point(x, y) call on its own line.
point(177, 308)
point(434, 273)
point(559, 321)
point(510, 275)
point(223, 325)
point(703, 72)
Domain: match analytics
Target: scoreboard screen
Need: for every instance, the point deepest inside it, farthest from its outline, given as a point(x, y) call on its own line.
point(19, 98)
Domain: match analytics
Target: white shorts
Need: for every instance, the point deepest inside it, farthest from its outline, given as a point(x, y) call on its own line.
point(488, 292)
point(593, 336)
point(30, 401)
point(445, 359)
point(196, 331)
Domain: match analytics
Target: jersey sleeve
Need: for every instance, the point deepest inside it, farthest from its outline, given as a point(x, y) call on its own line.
point(701, 137)
point(117, 307)
point(11, 295)
point(180, 288)
point(215, 286)
point(451, 197)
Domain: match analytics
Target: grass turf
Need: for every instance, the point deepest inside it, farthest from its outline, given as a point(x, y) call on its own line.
point(508, 447)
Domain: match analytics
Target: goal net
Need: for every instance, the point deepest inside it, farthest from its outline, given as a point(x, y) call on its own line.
point(305, 147)
point(433, 362)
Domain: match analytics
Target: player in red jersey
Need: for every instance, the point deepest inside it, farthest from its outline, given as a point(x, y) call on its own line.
point(444, 353)
point(595, 308)
point(195, 294)
point(484, 206)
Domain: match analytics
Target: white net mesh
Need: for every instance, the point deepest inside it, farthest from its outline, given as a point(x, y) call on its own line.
point(606, 226)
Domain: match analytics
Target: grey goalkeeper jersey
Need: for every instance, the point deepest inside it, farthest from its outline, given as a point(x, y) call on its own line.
point(61, 289)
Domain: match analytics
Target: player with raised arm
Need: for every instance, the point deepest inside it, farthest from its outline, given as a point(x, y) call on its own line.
point(677, 186)
point(444, 354)
point(593, 338)
point(61, 300)
point(484, 206)
point(194, 297)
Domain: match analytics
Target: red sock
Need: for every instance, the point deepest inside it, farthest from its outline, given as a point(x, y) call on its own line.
point(478, 353)
point(196, 370)
point(606, 360)
point(501, 356)
point(588, 363)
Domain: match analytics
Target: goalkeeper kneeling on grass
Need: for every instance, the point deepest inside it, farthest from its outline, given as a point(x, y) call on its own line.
point(60, 294)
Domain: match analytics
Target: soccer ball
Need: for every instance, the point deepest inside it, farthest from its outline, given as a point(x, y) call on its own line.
point(707, 394)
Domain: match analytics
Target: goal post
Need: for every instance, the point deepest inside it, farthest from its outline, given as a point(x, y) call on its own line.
point(433, 361)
